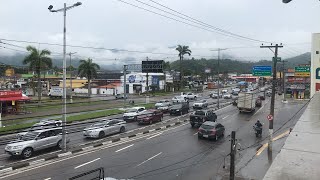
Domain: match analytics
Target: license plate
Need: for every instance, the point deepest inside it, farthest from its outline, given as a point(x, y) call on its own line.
point(205, 136)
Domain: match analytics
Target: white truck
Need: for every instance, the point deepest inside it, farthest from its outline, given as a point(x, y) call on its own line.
point(246, 102)
point(57, 92)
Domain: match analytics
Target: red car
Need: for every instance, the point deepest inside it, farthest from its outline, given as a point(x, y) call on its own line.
point(150, 117)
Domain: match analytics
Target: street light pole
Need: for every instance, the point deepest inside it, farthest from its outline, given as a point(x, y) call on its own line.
point(64, 92)
point(71, 101)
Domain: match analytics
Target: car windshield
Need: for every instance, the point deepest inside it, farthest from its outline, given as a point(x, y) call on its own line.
point(204, 126)
point(29, 136)
point(162, 101)
point(131, 110)
point(98, 124)
point(200, 113)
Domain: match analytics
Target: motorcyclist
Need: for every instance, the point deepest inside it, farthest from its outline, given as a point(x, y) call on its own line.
point(258, 127)
point(258, 124)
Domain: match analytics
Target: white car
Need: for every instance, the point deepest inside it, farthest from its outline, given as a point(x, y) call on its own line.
point(132, 113)
point(34, 141)
point(44, 124)
point(189, 95)
point(107, 127)
point(224, 91)
point(162, 103)
point(200, 105)
point(179, 99)
point(227, 96)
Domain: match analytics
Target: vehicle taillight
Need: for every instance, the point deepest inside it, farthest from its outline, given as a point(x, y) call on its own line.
point(213, 131)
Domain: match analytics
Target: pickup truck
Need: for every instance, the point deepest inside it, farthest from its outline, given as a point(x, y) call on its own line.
point(189, 96)
point(200, 116)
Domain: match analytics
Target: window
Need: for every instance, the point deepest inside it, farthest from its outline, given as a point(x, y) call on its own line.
point(43, 134)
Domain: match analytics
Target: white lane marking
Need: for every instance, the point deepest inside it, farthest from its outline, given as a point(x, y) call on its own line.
point(225, 116)
point(86, 163)
point(149, 159)
point(75, 156)
point(124, 148)
point(195, 133)
point(154, 136)
point(261, 108)
point(48, 178)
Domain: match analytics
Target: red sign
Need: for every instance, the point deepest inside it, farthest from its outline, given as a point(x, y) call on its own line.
point(296, 79)
point(270, 117)
point(5, 94)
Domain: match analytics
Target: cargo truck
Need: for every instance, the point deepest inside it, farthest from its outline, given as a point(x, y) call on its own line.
point(246, 102)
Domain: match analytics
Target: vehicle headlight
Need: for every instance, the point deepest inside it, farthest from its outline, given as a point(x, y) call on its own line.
point(17, 147)
point(177, 110)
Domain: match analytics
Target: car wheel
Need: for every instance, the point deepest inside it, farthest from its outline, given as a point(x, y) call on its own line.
point(161, 118)
point(59, 145)
point(101, 134)
point(27, 152)
point(181, 113)
point(192, 124)
point(135, 118)
point(216, 137)
point(150, 122)
point(122, 129)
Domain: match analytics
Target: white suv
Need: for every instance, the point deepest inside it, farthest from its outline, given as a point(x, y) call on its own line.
point(34, 141)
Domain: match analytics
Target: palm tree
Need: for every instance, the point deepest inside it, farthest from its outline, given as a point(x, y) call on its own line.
point(38, 60)
point(182, 51)
point(88, 69)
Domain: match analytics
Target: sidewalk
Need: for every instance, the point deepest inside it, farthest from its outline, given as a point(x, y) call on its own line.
point(300, 156)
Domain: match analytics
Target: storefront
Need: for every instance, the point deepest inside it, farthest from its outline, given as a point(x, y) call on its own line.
point(11, 102)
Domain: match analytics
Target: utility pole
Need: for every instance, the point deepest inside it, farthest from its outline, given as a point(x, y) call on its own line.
point(125, 67)
point(273, 95)
point(147, 78)
point(232, 155)
point(71, 77)
point(283, 82)
point(219, 49)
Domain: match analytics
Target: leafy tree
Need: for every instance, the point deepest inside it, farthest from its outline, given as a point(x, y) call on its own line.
point(182, 51)
point(88, 69)
point(38, 60)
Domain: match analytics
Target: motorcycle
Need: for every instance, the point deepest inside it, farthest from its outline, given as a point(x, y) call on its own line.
point(258, 131)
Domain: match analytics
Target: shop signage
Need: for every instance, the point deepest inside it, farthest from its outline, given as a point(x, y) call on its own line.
point(302, 74)
point(305, 69)
point(132, 78)
point(5, 94)
point(297, 86)
point(296, 79)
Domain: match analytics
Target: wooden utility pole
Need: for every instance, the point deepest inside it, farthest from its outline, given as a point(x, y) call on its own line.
point(274, 82)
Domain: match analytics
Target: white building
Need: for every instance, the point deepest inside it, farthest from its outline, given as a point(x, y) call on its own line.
point(137, 82)
point(315, 64)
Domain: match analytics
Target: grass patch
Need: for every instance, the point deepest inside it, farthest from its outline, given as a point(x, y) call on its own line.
point(15, 127)
point(82, 117)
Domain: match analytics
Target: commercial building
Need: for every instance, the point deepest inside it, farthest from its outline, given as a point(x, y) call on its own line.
point(297, 84)
point(315, 64)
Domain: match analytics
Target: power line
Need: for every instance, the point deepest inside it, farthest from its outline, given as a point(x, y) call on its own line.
point(208, 25)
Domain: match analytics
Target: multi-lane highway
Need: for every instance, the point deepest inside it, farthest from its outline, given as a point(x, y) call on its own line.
point(169, 153)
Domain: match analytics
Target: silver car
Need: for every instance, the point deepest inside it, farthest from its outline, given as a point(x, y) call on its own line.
point(34, 141)
point(107, 127)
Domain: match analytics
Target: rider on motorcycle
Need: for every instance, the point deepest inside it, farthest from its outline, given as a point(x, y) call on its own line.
point(258, 124)
point(258, 127)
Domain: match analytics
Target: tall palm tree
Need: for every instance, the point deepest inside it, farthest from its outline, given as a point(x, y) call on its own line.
point(182, 51)
point(88, 69)
point(38, 60)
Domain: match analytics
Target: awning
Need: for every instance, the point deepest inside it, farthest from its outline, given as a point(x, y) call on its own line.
point(22, 98)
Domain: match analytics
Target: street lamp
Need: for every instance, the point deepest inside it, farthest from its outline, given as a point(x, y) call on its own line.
point(286, 1)
point(64, 107)
point(71, 77)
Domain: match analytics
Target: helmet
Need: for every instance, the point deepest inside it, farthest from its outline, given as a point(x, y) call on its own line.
point(258, 121)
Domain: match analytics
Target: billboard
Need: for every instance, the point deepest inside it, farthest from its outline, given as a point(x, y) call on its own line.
point(261, 70)
point(155, 80)
point(152, 66)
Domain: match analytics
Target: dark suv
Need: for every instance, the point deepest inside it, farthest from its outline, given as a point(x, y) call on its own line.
point(179, 109)
point(201, 116)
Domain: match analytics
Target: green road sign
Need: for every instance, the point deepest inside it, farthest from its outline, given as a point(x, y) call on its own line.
point(266, 73)
point(302, 69)
point(278, 59)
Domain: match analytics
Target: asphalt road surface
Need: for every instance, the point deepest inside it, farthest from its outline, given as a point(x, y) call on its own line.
point(173, 153)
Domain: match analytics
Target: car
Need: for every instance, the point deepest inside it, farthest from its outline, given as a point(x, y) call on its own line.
point(211, 130)
point(103, 128)
point(150, 117)
point(132, 113)
point(258, 102)
point(223, 91)
point(279, 93)
point(179, 99)
point(189, 96)
point(200, 105)
point(269, 93)
point(227, 96)
point(235, 93)
point(120, 96)
point(34, 141)
point(213, 92)
point(179, 109)
point(201, 116)
point(44, 124)
point(262, 89)
point(236, 90)
point(262, 97)
point(163, 103)
point(235, 102)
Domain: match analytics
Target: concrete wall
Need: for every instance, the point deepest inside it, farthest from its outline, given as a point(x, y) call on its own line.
point(315, 62)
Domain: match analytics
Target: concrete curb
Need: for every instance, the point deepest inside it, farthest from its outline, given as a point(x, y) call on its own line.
point(70, 153)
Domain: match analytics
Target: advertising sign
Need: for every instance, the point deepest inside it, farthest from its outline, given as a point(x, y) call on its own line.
point(4, 94)
point(304, 69)
point(302, 74)
point(318, 73)
point(132, 78)
point(155, 80)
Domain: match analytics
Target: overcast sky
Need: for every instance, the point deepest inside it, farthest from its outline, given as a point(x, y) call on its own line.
point(113, 24)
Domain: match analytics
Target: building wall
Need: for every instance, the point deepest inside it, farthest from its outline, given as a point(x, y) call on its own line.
point(315, 62)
